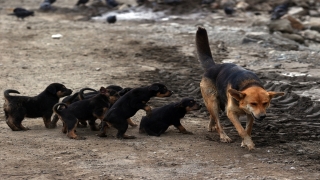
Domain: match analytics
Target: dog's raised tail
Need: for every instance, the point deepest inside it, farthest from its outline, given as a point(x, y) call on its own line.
point(57, 107)
point(8, 91)
point(203, 48)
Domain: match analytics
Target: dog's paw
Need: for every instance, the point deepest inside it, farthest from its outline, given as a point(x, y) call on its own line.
point(247, 142)
point(211, 128)
point(224, 138)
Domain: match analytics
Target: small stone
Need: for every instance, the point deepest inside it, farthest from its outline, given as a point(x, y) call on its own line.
point(247, 155)
point(282, 25)
point(297, 11)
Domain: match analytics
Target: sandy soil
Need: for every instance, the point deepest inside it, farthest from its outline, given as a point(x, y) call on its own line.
point(137, 53)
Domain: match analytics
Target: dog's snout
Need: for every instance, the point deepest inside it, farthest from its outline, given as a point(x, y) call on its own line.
point(262, 116)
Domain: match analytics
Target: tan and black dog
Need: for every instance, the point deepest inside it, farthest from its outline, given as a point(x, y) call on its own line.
point(233, 89)
point(16, 108)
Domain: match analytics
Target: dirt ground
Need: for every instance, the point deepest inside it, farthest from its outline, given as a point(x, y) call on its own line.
point(137, 53)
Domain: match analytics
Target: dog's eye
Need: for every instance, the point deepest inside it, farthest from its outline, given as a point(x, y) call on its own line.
point(265, 104)
point(253, 104)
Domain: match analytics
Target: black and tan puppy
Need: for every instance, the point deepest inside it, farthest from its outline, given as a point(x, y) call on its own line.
point(233, 89)
point(166, 116)
point(87, 109)
point(81, 95)
point(16, 108)
point(129, 104)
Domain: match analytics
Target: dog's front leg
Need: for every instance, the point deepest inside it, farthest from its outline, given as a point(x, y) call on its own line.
point(248, 129)
point(234, 118)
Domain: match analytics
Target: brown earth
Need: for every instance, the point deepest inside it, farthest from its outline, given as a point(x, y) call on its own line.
point(137, 53)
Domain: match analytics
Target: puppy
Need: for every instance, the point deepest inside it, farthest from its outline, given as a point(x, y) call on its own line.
point(166, 116)
point(87, 109)
point(128, 105)
point(233, 89)
point(82, 95)
point(16, 108)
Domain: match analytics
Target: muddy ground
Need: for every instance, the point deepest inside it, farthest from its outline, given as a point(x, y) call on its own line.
point(137, 53)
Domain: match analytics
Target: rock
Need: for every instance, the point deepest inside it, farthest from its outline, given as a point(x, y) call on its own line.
point(314, 13)
point(124, 8)
point(294, 37)
point(282, 25)
point(311, 35)
point(247, 155)
point(313, 23)
point(131, 3)
point(297, 11)
point(287, 47)
point(242, 6)
point(261, 21)
point(257, 35)
point(295, 23)
point(227, 3)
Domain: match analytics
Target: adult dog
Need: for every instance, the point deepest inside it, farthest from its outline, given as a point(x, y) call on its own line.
point(233, 89)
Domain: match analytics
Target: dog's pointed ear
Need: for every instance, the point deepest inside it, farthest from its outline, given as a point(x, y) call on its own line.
point(273, 94)
point(154, 88)
point(51, 89)
point(236, 94)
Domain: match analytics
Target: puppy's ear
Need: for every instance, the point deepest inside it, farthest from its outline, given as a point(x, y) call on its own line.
point(51, 89)
point(103, 90)
point(236, 94)
point(179, 104)
point(273, 94)
point(154, 88)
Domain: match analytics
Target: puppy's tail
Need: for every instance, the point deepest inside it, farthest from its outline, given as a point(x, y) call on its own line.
point(57, 107)
point(70, 99)
point(8, 91)
point(81, 92)
point(203, 48)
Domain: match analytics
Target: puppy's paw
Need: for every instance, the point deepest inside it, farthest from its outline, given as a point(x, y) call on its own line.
point(128, 137)
point(94, 128)
point(52, 126)
point(188, 132)
point(101, 135)
point(133, 125)
point(80, 138)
